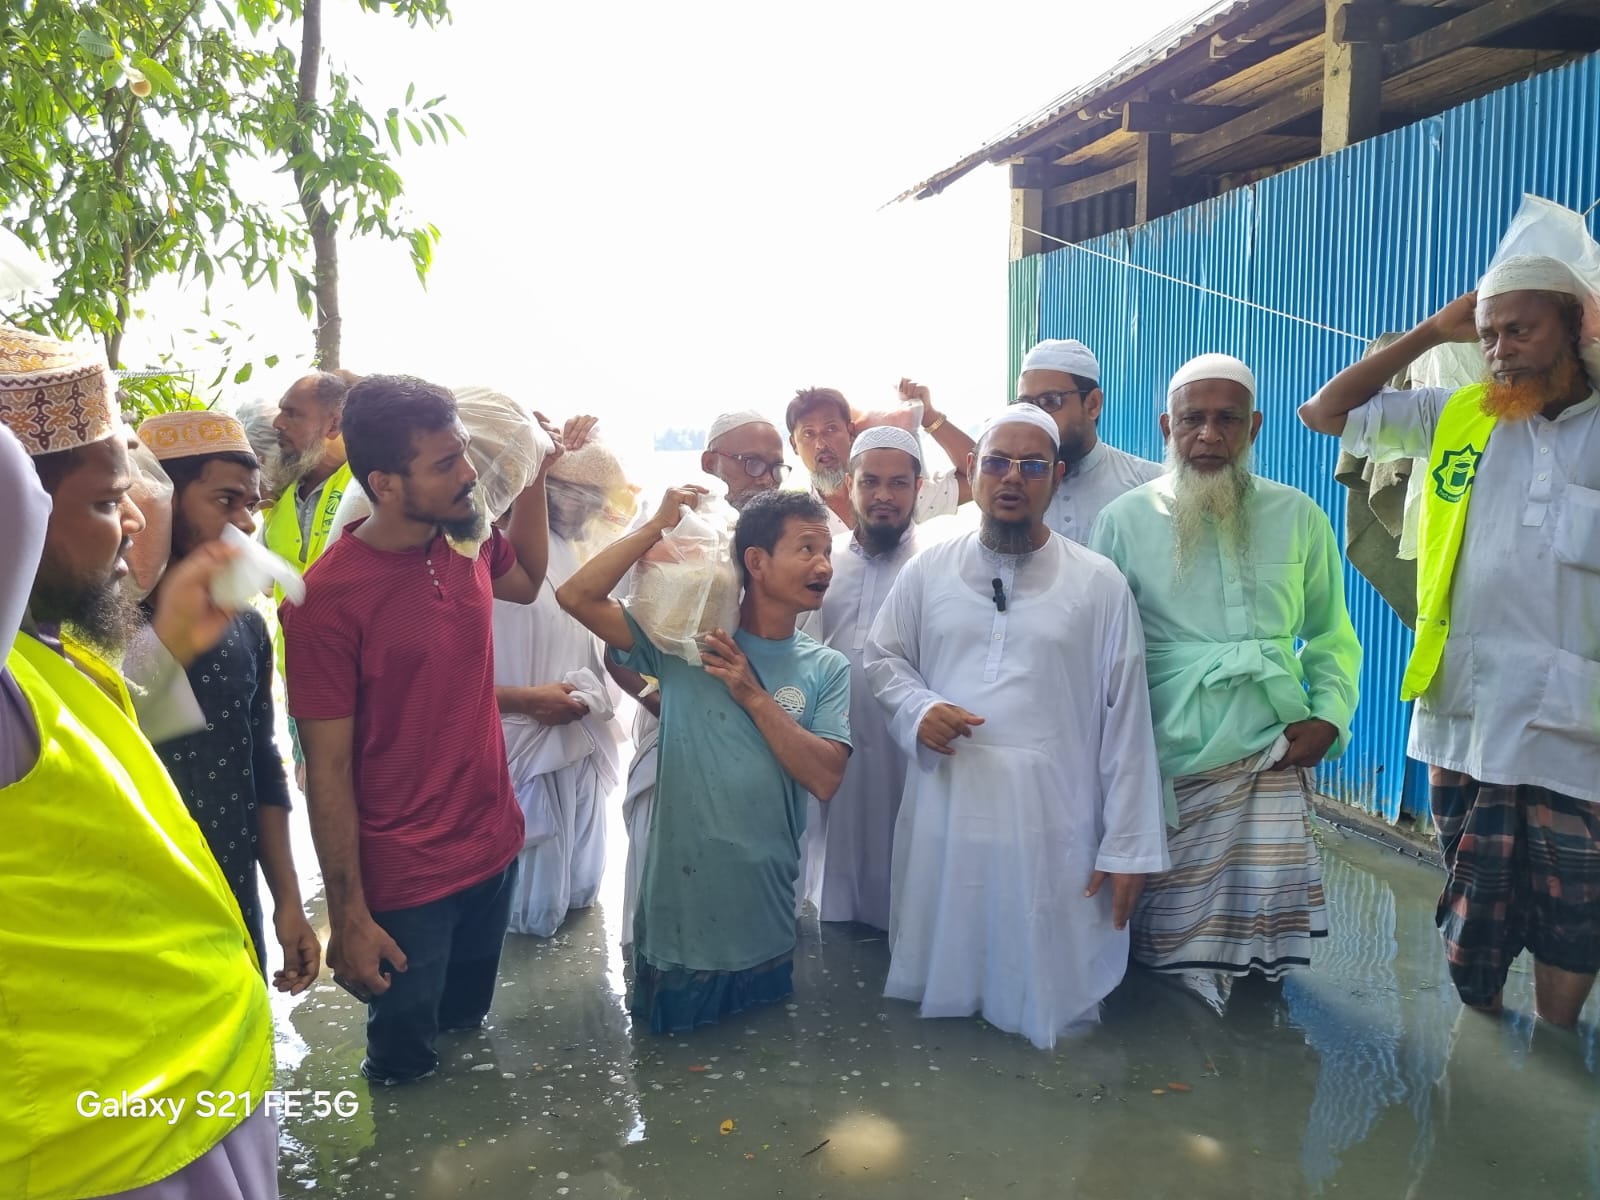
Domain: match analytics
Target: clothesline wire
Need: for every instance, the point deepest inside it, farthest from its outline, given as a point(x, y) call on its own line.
point(1199, 287)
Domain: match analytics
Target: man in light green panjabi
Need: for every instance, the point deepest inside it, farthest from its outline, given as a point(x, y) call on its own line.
point(1231, 571)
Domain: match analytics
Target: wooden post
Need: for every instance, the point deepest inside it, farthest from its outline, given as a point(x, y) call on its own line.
point(1153, 178)
point(1027, 216)
point(1352, 88)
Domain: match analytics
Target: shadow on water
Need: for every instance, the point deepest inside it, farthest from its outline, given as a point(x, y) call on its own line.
point(1361, 1077)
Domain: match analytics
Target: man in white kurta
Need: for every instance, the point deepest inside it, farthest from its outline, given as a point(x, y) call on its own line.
point(560, 747)
point(1061, 377)
point(1010, 662)
point(849, 840)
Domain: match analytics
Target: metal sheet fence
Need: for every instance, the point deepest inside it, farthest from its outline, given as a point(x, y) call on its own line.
point(1325, 258)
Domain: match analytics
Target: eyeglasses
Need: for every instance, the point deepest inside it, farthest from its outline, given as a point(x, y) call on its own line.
point(756, 467)
point(1049, 401)
point(999, 466)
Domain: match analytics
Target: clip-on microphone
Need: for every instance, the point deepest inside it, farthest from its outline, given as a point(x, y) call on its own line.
point(999, 594)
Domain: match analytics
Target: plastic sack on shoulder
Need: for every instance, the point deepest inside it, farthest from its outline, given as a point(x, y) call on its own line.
point(151, 494)
point(688, 584)
point(1544, 229)
point(590, 498)
point(508, 447)
point(899, 415)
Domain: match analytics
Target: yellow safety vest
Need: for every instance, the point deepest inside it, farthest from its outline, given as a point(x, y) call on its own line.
point(1459, 441)
point(126, 971)
point(281, 529)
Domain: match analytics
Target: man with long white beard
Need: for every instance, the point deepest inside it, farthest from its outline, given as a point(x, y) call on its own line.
point(1061, 378)
point(1506, 667)
point(850, 839)
point(1010, 665)
point(310, 472)
point(1231, 571)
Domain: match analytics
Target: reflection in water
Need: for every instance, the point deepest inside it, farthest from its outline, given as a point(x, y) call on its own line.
point(1361, 1076)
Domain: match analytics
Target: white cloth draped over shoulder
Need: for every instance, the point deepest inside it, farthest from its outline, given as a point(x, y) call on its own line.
point(994, 846)
point(561, 774)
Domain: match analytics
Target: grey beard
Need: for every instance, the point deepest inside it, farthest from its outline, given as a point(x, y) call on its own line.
point(1201, 497)
point(287, 467)
point(1005, 537)
point(827, 480)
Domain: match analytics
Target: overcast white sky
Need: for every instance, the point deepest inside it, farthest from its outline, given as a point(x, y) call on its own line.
point(666, 211)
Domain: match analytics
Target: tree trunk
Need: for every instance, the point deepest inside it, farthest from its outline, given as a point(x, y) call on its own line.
point(324, 237)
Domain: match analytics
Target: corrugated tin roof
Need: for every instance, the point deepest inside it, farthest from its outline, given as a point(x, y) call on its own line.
point(1138, 59)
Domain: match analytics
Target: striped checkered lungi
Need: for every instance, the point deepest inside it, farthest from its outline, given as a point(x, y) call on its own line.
point(1245, 889)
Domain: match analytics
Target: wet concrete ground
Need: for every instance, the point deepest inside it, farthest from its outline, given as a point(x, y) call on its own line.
point(1361, 1077)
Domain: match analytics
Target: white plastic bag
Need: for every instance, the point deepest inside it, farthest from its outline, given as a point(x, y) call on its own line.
point(151, 493)
point(252, 572)
point(688, 585)
point(1543, 227)
point(508, 447)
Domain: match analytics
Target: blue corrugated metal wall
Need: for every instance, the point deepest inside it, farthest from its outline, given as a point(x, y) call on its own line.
point(1371, 239)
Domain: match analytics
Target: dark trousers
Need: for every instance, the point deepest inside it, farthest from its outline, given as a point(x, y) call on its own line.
point(452, 948)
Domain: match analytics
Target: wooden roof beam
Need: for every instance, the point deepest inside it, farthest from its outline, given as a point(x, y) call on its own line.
point(1148, 116)
point(1093, 185)
point(1471, 28)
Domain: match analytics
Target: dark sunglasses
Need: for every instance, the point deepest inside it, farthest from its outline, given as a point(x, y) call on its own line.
point(757, 468)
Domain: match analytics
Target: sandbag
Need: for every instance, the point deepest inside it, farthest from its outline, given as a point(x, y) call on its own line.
point(151, 494)
point(688, 584)
point(508, 447)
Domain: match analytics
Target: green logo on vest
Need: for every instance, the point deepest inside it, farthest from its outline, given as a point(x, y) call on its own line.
point(1453, 476)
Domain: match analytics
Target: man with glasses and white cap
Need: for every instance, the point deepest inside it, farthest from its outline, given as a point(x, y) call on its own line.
point(1010, 664)
point(745, 451)
point(845, 870)
point(1506, 668)
point(1061, 377)
point(1253, 669)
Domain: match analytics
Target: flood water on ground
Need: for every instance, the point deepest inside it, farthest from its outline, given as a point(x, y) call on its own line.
point(1360, 1077)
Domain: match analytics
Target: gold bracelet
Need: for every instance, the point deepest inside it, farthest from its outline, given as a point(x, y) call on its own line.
point(935, 427)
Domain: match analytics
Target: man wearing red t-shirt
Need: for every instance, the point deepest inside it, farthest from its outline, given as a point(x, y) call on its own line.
point(391, 681)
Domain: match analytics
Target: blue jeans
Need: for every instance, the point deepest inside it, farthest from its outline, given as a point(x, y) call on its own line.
point(452, 948)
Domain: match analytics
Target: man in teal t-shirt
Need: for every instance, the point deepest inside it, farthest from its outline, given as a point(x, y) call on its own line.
point(744, 738)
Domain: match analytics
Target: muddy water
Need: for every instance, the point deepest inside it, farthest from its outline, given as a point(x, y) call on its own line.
point(1360, 1077)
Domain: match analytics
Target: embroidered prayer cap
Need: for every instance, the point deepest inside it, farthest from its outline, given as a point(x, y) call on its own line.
point(55, 395)
point(886, 437)
point(185, 434)
point(1021, 414)
point(728, 422)
point(1067, 355)
point(1213, 366)
point(1529, 273)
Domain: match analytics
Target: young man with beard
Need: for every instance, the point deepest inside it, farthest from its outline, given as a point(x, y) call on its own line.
point(1061, 377)
point(230, 774)
point(743, 739)
point(1231, 571)
point(1010, 667)
point(127, 968)
point(821, 429)
point(1506, 668)
point(391, 678)
point(850, 840)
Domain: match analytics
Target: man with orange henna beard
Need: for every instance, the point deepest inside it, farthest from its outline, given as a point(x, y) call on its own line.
point(1506, 669)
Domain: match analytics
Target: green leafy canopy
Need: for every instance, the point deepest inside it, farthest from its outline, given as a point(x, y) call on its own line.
point(138, 137)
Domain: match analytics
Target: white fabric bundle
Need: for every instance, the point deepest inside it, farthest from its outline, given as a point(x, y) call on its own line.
point(1548, 248)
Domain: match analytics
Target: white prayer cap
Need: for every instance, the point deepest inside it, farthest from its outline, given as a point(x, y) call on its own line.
point(1063, 354)
point(886, 437)
point(1021, 414)
point(1528, 273)
point(728, 422)
point(1213, 366)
